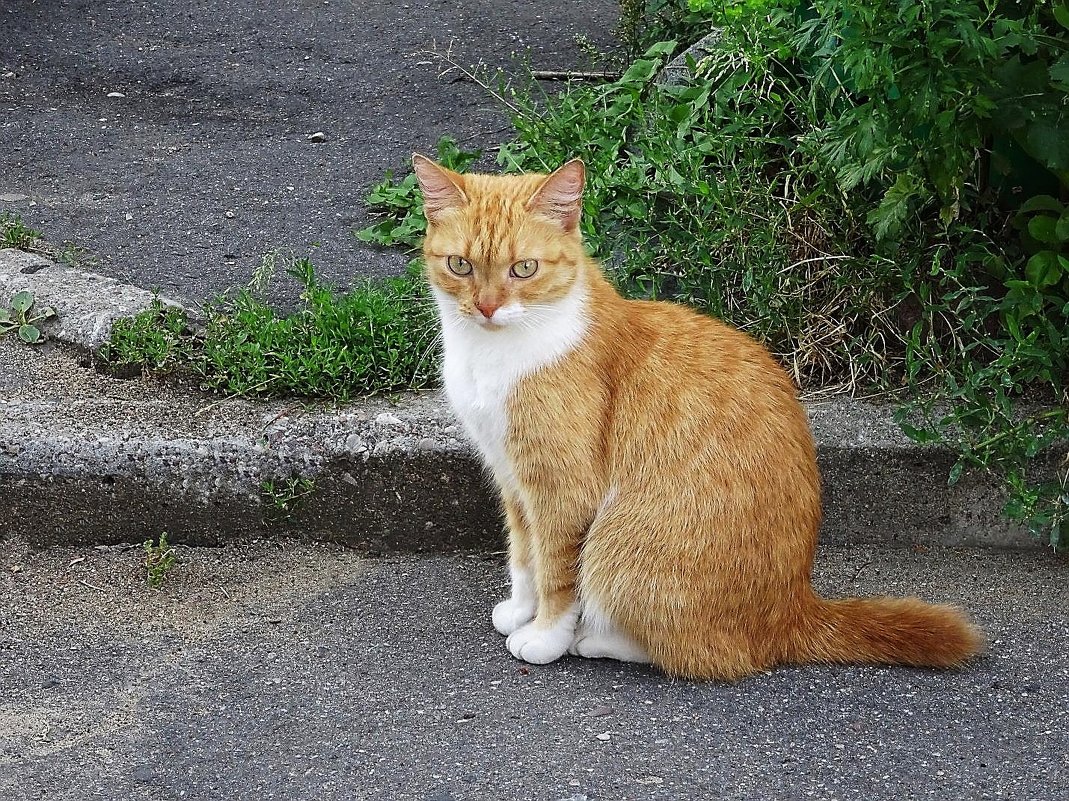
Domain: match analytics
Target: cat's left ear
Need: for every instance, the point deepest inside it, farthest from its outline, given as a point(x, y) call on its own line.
point(442, 189)
point(560, 197)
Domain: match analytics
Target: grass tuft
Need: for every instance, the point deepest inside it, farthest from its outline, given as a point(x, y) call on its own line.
point(378, 337)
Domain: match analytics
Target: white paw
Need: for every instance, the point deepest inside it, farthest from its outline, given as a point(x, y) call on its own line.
point(512, 613)
point(539, 646)
point(592, 644)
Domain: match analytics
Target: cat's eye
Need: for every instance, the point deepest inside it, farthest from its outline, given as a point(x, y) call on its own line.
point(524, 269)
point(458, 265)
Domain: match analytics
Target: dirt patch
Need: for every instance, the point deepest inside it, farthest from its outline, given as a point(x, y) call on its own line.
point(104, 589)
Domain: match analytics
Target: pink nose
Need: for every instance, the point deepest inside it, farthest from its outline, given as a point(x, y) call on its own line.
point(488, 309)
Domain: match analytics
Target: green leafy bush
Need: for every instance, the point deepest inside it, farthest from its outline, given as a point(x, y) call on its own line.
point(399, 204)
point(950, 120)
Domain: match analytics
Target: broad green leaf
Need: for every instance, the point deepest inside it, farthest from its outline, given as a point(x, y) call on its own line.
point(1059, 72)
point(5, 316)
point(1042, 203)
point(1043, 269)
point(664, 49)
point(1061, 13)
point(1049, 145)
point(640, 71)
point(22, 301)
point(1041, 227)
point(29, 333)
point(1061, 228)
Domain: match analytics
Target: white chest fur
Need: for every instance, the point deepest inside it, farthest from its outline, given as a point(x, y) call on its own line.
point(482, 366)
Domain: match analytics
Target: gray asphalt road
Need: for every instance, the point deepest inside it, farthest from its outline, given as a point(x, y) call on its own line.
point(204, 164)
point(296, 672)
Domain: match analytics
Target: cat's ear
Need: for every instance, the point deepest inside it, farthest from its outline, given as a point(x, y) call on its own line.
point(442, 188)
point(560, 197)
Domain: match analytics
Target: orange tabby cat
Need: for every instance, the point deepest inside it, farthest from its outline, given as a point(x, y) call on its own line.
point(657, 471)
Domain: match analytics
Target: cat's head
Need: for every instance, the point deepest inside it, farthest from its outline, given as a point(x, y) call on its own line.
point(501, 249)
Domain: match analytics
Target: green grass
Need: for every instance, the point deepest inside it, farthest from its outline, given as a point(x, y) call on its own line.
point(378, 337)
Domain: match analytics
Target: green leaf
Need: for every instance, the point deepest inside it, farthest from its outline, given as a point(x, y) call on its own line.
point(1042, 203)
point(1061, 228)
point(22, 301)
point(1061, 13)
point(1059, 72)
point(918, 434)
point(1043, 269)
point(5, 316)
point(641, 70)
point(663, 49)
point(29, 333)
point(1041, 227)
point(1049, 145)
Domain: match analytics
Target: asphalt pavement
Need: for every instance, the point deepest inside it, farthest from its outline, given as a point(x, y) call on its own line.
point(171, 140)
point(288, 671)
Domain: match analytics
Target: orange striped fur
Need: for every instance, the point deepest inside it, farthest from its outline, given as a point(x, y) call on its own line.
point(657, 471)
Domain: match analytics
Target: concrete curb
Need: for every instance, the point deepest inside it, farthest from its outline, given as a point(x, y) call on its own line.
point(87, 304)
point(388, 476)
point(391, 476)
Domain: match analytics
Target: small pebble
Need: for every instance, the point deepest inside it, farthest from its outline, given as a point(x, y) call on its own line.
point(116, 94)
point(604, 736)
point(318, 136)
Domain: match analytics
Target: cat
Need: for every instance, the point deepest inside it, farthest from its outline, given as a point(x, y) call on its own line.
point(657, 471)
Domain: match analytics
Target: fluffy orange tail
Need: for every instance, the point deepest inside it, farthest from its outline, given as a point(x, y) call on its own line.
point(896, 631)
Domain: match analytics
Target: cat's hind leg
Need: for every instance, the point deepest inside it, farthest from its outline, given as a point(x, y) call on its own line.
point(521, 606)
point(597, 637)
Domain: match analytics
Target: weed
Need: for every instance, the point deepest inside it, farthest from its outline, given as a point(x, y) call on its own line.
point(378, 337)
point(159, 559)
point(287, 495)
point(155, 340)
point(399, 204)
point(15, 234)
point(23, 315)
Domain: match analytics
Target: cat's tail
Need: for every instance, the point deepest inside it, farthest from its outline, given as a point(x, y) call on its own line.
point(896, 631)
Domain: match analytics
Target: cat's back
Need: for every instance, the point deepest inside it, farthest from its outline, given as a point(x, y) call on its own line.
point(680, 349)
point(681, 377)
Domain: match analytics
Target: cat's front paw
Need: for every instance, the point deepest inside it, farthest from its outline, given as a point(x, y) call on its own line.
point(540, 645)
point(512, 613)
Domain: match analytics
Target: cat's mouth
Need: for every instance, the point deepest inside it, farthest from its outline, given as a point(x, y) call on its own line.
point(489, 323)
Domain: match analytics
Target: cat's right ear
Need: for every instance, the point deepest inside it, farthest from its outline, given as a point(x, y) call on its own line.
point(442, 188)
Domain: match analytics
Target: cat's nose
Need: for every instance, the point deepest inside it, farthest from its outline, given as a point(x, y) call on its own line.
point(488, 309)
